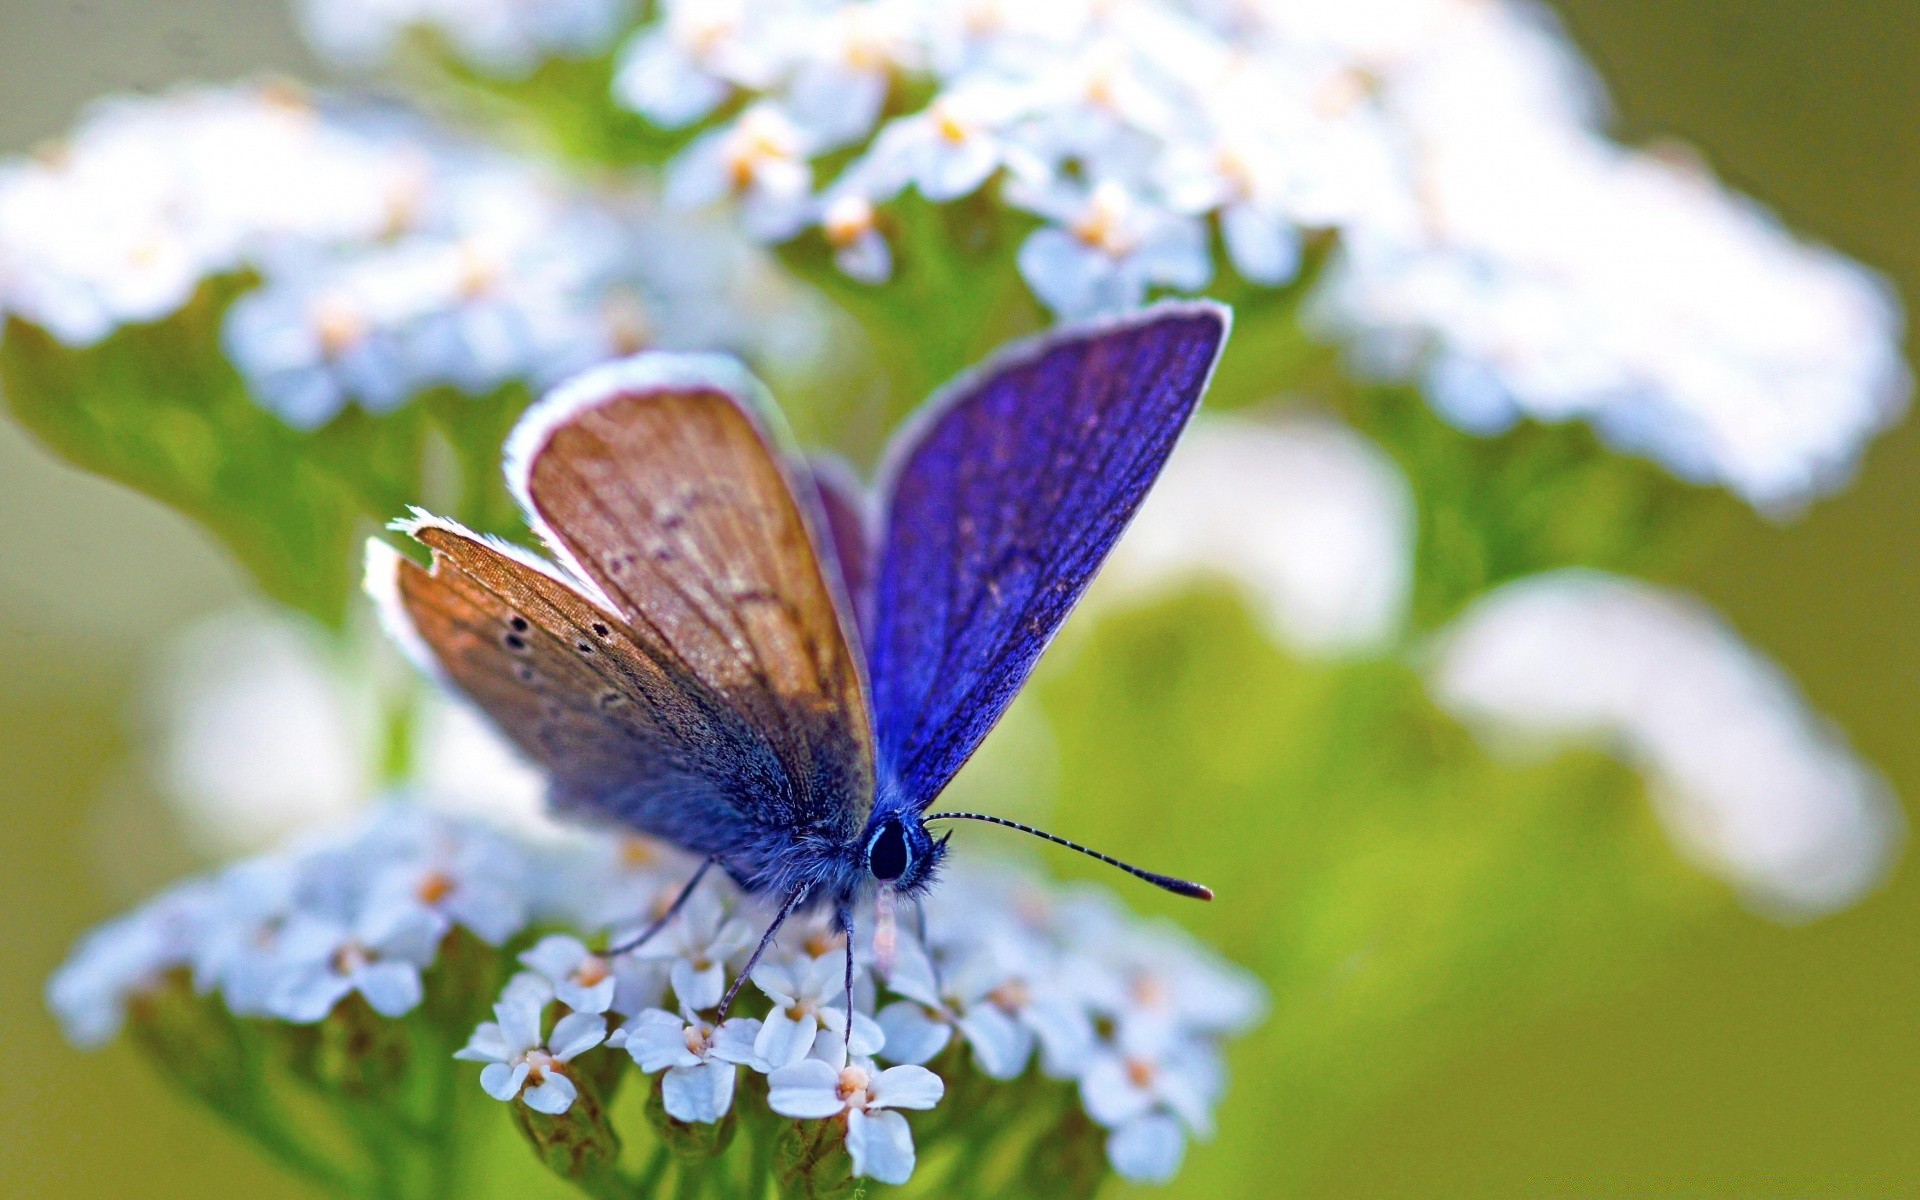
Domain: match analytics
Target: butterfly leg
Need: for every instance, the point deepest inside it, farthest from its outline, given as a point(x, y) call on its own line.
point(766, 939)
point(846, 923)
point(673, 910)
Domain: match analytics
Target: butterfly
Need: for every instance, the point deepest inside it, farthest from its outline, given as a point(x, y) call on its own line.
point(750, 656)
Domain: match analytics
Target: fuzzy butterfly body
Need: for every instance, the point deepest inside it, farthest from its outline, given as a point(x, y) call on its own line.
point(754, 659)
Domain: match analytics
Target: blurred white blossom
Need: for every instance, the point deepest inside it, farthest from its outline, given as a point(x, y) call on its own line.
point(1494, 243)
point(1313, 523)
point(392, 256)
point(264, 727)
point(507, 37)
point(1751, 784)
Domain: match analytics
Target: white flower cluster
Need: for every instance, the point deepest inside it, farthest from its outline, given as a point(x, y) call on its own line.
point(505, 37)
point(392, 257)
point(1134, 1012)
point(1494, 243)
point(1750, 784)
point(1312, 522)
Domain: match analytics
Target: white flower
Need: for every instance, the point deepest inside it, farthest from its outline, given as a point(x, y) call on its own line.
point(760, 160)
point(1314, 523)
point(379, 954)
point(858, 248)
point(1149, 1100)
point(1750, 784)
point(688, 63)
point(878, 1138)
point(522, 1064)
point(239, 951)
point(948, 149)
point(582, 980)
point(844, 63)
point(125, 958)
point(1239, 181)
point(471, 876)
point(920, 1026)
point(698, 944)
point(700, 1060)
point(1109, 250)
point(809, 1010)
point(506, 37)
point(1152, 981)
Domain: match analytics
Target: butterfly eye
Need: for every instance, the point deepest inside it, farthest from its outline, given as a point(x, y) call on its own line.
point(887, 855)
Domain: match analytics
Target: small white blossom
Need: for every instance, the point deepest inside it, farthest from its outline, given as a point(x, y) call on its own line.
point(380, 954)
point(962, 998)
point(582, 980)
point(878, 1138)
point(689, 63)
point(239, 950)
point(950, 148)
point(698, 945)
point(760, 160)
point(1108, 249)
point(701, 1061)
point(125, 958)
point(844, 63)
point(471, 877)
point(809, 1009)
point(858, 248)
point(1150, 1099)
point(523, 1065)
point(1750, 783)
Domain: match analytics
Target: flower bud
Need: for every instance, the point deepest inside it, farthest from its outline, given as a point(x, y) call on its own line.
point(577, 1144)
point(810, 1161)
point(191, 1039)
point(360, 1052)
point(688, 1140)
point(1069, 1160)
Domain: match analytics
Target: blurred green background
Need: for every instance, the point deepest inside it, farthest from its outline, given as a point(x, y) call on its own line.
point(1751, 1060)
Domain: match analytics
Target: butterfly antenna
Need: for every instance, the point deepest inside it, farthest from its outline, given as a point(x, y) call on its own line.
point(1179, 887)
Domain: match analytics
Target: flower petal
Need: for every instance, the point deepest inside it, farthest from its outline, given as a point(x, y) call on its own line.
point(881, 1146)
point(1000, 1045)
point(552, 1096)
point(392, 989)
point(809, 1090)
point(657, 1039)
point(1147, 1149)
point(555, 956)
point(503, 1082)
point(907, 1087)
point(577, 1033)
point(912, 1036)
point(784, 1040)
point(700, 1094)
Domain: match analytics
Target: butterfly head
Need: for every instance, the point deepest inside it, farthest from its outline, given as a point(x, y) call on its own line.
point(901, 854)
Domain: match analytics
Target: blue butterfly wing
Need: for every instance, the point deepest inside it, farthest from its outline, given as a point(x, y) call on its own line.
point(999, 503)
point(732, 716)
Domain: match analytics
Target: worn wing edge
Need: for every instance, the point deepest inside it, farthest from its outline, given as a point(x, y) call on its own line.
point(381, 579)
point(950, 395)
point(382, 583)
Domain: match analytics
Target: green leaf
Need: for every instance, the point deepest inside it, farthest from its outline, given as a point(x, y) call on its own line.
point(158, 407)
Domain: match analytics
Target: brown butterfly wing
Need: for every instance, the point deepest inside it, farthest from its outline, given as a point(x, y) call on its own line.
point(657, 483)
point(618, 735)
